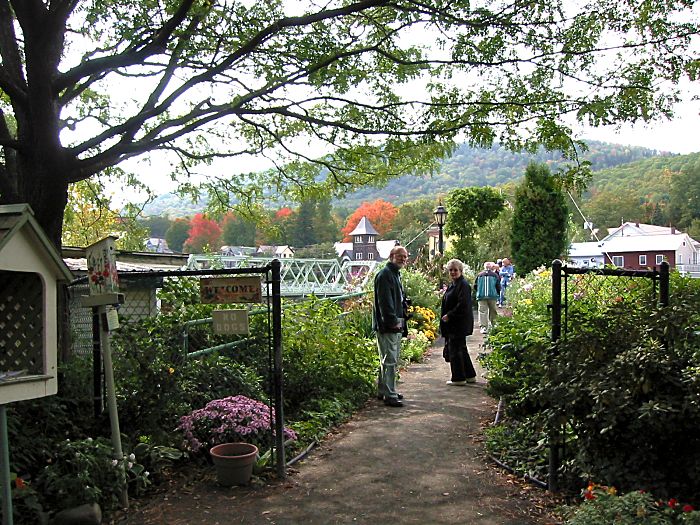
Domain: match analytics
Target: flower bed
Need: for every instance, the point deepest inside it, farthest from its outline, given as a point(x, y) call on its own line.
point(230, 420)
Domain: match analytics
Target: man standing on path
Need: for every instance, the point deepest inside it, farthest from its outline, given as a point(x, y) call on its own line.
point(388, 321)
point(488, 289)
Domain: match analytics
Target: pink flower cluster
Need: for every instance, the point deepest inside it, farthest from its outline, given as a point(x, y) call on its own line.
point(231, 419)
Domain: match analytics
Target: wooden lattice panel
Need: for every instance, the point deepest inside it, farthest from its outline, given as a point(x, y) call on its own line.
point(21, 323)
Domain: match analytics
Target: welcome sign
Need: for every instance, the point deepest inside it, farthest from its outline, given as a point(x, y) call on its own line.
point(225, 290)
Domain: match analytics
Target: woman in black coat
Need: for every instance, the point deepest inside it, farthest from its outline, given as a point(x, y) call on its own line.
point(456, 323)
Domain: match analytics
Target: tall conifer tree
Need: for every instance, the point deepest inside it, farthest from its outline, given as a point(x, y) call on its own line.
point(538, 234)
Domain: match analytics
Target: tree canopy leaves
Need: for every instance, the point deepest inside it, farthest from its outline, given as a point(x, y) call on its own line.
point(347, 94)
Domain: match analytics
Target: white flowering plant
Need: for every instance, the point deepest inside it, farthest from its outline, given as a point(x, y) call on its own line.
point(86, 471)
point(229, 420)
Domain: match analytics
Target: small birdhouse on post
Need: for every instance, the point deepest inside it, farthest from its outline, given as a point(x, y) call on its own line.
point(103, 280)
point(30, 272)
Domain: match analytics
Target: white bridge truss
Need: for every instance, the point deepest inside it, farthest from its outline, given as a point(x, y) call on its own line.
point(321, 277)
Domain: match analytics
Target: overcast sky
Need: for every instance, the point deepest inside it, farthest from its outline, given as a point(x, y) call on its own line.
point(681, 135)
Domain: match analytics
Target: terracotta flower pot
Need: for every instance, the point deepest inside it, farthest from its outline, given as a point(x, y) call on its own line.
point(234, 462)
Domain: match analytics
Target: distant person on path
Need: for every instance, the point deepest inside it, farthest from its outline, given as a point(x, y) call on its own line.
point(388, 321)
point(507, 273)
point(456, 323)
point(488, 289)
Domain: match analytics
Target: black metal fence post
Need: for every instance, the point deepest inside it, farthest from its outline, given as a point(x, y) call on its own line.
point(554, 438)
point(664, 284)
point(277, 346)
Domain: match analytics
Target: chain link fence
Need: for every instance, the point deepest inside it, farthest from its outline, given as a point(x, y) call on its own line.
point(140, 302)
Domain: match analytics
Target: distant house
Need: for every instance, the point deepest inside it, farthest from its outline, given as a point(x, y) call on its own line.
point(638, 228)
point(434, 241)
point(230, 251)
point(646, 251)
point(157, 245)
point(639, 247)
point(280, 252)
point(364, 245)
point(586, 255)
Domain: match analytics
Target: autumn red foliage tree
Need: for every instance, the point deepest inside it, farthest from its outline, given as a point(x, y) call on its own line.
point(380, 213)
point(204, 234)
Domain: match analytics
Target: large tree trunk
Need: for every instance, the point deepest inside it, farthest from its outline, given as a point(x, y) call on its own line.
point(41, 185)
point(37, 166)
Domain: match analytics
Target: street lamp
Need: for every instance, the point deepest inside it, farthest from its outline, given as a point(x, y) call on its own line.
point(440, 215)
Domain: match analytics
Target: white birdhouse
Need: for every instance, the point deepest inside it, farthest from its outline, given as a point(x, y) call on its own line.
point(30, 272)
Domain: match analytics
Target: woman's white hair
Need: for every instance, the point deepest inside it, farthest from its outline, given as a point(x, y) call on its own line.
point(455, 263)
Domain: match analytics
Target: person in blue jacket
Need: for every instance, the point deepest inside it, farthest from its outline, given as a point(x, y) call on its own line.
point(507, 273)
point(456, 323)
point(488, 289)
point(389, 322)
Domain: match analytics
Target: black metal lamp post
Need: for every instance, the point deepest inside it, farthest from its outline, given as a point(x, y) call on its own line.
point(440, 214)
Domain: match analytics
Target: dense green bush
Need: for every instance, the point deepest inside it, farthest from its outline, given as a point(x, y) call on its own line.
point(324, 358)
point(625, 372)
point(420, 289)
point(357, 313)
point(153, 393)
point(35, 425)
point(85, 471)
point(630, 374)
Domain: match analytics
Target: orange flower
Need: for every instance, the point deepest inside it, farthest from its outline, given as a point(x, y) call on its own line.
point(19, 483)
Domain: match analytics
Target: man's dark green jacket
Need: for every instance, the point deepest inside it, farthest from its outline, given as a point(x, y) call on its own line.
point(387, 299)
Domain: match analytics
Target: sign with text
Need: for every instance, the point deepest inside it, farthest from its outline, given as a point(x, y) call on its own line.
point(231, 322)
point(225, 290)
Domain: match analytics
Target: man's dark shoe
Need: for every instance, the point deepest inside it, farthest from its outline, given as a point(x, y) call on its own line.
point(381, 396)
point(391, 402)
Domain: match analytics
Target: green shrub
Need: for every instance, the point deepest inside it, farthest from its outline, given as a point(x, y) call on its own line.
point(324, 358)
point(35, 425)
point(419, 289)
point(154, 390)
point(320, 415)
point(521, 445)
point(625, 372)
point(357, 313)
point(85, 471)
point(414, 346)
point(628, 373)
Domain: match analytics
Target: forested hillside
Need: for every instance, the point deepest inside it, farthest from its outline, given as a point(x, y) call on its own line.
point(659, 190)
point(467, 167)
point(491, 167)
point(649, 177)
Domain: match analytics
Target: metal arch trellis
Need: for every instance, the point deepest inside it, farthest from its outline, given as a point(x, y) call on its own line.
point(299, 276)
point(562, 293)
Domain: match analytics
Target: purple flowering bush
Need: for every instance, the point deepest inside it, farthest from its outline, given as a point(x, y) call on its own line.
point(228, 420)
